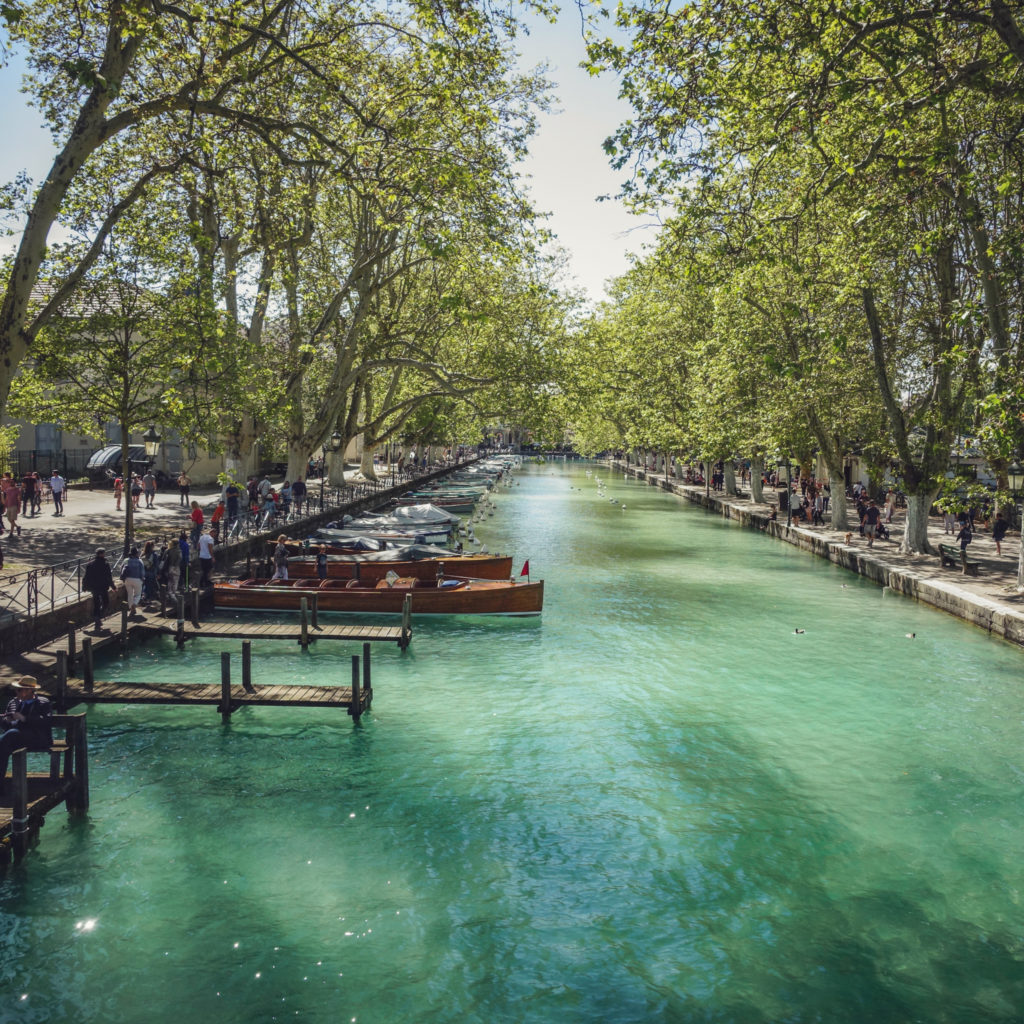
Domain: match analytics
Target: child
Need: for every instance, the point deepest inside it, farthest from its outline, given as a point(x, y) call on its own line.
point(321, 562)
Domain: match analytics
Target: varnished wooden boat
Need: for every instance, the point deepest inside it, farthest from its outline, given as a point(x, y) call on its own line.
point(452, 597)
point(483, 567)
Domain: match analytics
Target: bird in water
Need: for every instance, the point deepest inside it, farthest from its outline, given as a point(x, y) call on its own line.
point(623, 508)
point(799, 630)
point(910, 636)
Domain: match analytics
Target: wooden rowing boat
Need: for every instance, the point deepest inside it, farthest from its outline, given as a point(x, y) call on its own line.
point(342, 567)
point(429, 597)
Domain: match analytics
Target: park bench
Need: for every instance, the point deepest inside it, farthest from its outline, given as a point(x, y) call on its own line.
point(950, 555)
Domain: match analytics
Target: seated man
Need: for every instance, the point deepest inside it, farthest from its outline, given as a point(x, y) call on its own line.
point(28, 723)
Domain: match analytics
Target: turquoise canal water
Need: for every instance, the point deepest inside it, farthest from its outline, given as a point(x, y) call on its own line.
point(655, 803)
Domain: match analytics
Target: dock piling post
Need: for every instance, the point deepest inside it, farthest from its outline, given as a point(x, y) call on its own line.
point(19, 802)
point(179, 636)
point(195, 608)
point(124, 626)
point(304, 623)
point(62, 682)
point(225, 685)
point(355, 708)
point(313, 612)
point(406, 622)
point(71, 648)
point(80, 800)
point(87, 670)
point(247, 667)
point(367, 685)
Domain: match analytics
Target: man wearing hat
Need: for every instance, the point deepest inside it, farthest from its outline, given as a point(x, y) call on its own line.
point(27, 722)
point(99, 581)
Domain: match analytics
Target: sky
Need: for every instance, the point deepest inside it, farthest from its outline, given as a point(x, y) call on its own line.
point(567, 165)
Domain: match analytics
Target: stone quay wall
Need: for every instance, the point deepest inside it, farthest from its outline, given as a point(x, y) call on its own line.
point(920, 579)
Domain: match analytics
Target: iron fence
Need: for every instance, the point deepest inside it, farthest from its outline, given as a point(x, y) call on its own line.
point(70, 462)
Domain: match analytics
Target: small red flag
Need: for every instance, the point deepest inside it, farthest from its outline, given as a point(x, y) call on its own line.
point(526, 568)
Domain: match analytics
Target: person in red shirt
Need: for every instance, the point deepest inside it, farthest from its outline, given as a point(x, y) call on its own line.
point(215, 520)
point(197, 521)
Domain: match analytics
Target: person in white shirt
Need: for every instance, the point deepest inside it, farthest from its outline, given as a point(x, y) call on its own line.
point(57, 486)
point(205, 558)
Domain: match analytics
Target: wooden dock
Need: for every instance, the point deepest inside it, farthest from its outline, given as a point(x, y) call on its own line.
point(29, 796)
point(275, 631)
point(356, 698)
point(211, 694)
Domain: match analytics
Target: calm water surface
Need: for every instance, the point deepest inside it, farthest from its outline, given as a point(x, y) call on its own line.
point(655, 803)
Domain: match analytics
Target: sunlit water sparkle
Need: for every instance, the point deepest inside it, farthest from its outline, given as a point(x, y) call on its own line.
point(657, 802)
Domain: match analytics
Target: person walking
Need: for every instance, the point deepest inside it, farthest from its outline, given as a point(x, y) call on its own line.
point(118, 491)
point(890, 505)
point(171, 565)
point(186, 557)
point(870, 522)
point(133, 573)
point(57, 486)
point(298, 495)
point(12, 502)
point(28, 494)
point(99, 581)
point(151, 563)
point(215, 520)
point(184, 483)
point(999, 528)
point(149, 487)
point(281, 559)
point(231, 494)
point(136, 490)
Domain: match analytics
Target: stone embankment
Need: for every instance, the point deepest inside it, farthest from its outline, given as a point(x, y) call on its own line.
point(989, 600)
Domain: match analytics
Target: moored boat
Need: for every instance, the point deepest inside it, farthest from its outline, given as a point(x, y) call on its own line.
point(455, 596)
point(373, 568)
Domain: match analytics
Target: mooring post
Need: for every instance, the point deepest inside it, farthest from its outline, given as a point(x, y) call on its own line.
point(304, 623)
point(247, 667)
point(62, 682)
point(355, 709)
point(179, 635)
point(195, 608)
point(87, 672)
point(19, 802)
point(225, 685)
point(71, 648)
point(367, 685)
point(406, 622)
point(313, 612)
point(124, 626)
point(81, 767)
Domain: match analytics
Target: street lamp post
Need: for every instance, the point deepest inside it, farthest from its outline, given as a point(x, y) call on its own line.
point(151, 439)
point(1015, 479)
point(332, 446)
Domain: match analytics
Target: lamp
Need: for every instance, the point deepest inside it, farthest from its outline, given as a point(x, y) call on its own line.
point(151, 439)
point(1015, 477)
point(333, 444)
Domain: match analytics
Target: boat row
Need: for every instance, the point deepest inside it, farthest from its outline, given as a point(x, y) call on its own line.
point(375, 561)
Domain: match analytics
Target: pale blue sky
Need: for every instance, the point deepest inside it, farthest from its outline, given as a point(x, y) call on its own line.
point(567, 165)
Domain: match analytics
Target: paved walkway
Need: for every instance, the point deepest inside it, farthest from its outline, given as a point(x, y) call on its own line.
point(90, 521)
point(994, 586)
